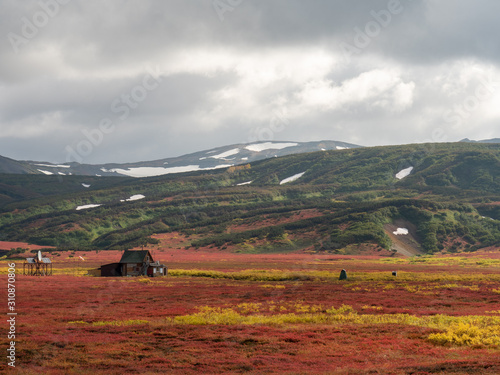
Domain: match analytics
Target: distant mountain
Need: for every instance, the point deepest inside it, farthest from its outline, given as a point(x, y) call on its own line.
point(220, 157)
point(15, 167)
point(493, 140)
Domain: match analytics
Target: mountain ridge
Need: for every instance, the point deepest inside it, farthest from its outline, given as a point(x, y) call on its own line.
point(492, 140)
point(12, 166)
point(214, 158)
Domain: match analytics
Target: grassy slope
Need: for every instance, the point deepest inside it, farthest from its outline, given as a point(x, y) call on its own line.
point(354, 192)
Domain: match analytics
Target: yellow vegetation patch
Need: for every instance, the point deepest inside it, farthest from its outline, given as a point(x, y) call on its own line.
point(473, 331)
point(273, 286)
point(116, 323)
point(446, 261)
point(252, 275)
point(246, 308)
point(70, 271)
point(475, 335)
point(428, 288)
point(366, 307)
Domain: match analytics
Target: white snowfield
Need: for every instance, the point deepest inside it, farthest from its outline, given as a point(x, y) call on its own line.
point(133, 198)
point(341, 148)
point(404, 173)
point(160, 171)
point(244, 183)
point(258, 147)
point(293, 178)
point(232, 152)
point(401, 232)
point(86, 185)
point(53, 165)
point(87, 206)
point(45, 172)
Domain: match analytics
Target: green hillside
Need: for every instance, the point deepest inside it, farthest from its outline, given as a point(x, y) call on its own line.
point(342, 199)
point(16, 167)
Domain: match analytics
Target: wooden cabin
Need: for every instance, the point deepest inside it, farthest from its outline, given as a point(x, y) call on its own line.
point(135, 263)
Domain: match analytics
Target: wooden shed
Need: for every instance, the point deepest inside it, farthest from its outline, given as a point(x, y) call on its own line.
point(135, 263)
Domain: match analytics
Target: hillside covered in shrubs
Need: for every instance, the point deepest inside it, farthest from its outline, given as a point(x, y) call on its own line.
point(328, 201)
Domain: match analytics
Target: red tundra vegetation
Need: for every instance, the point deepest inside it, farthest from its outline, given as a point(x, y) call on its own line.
point(222, 313)
point(5, 245)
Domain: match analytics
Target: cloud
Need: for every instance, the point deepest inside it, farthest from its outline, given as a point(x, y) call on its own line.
point(374, 90)
point(270, 70)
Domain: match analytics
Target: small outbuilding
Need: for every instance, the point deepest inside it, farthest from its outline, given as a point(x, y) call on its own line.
point(135, 263)
point(38, 266)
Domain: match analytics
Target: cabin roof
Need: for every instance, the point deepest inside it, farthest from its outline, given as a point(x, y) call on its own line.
point(136, 256)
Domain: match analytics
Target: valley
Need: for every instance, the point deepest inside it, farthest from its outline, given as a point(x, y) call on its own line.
point(448, 196)
point(254, 253)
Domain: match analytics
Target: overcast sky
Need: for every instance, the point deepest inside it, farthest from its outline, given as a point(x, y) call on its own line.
point(124, 80)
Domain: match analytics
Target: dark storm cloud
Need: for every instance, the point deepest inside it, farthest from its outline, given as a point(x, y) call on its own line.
point(367, 72)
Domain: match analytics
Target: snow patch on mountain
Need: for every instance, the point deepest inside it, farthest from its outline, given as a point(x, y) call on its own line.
point(404, 173)
point(244, 183)
point(45, 172)
point(259, 147)
point(292, 178)
point(52, 165)
point(86, 185)
point(135, 197)
point(159, 171)
point(223, 155)
point(401, 232)
point(87, 206)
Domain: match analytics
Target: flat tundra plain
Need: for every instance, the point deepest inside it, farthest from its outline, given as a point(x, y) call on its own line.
point(223, 313)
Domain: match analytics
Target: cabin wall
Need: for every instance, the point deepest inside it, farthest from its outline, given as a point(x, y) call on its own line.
point(110, 270)
point(132, 269)
point(157, 271)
